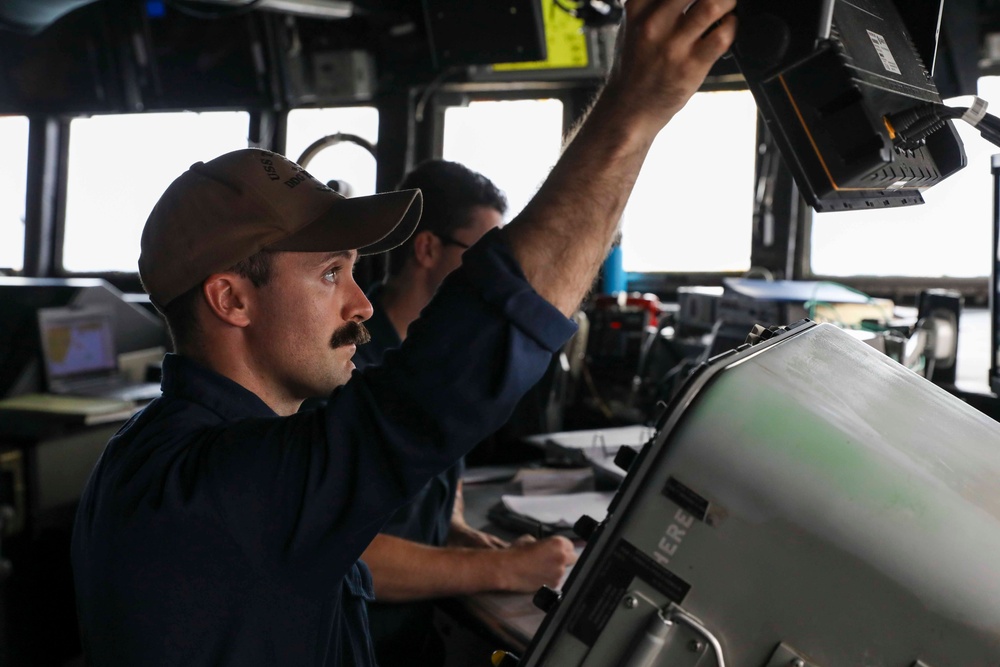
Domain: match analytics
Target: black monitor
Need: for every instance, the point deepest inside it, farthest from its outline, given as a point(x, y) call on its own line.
point(826, 74)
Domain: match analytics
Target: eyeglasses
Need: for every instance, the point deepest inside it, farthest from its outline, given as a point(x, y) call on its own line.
point(447, 240)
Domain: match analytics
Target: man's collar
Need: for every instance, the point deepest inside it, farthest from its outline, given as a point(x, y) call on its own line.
point(186, 379)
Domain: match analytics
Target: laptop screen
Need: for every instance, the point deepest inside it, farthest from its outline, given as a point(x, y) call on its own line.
point(77, 343)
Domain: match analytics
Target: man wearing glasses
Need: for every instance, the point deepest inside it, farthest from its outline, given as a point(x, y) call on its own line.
point(427, 550)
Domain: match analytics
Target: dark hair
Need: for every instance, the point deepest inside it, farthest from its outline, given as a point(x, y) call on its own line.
point(181, 313)
point(450, 190)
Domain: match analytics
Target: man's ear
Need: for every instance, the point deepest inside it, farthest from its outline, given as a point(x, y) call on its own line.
point(227, 295)
point(426, 248)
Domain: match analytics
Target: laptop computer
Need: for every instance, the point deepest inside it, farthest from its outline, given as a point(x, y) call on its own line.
point(79, 355)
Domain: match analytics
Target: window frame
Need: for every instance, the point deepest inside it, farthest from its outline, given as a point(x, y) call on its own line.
point(353, 105)
point(45, 226)
point(260, 124)
point(431, 107)
point(545, 93)
point(903, 289)
point(577, 97)
point(5, 270)
point(665, 284)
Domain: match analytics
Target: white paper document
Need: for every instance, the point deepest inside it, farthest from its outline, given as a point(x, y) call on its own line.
point(562, 510)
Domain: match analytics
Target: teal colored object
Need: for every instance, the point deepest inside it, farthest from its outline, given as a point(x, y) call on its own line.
point(614, 274)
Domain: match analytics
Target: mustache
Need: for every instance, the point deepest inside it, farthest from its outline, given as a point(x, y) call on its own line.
point(352, 333)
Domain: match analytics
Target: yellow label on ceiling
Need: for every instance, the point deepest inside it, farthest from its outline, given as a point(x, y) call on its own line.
point(564, 40)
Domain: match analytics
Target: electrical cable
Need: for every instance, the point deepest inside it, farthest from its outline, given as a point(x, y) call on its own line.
point(592, 386)
point(430, 89)
point(989, 127)
point(651, 335)
point(912, 126)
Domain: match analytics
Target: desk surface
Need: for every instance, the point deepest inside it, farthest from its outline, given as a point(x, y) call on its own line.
point(37, 416)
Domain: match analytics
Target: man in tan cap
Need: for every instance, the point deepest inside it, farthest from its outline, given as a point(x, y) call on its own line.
point(223, 527)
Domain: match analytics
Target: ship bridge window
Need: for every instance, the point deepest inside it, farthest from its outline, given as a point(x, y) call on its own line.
point(692, 206)
point(339, 143)
point(13, 187)
point(119, 165)
point(514, 143)
point(947, 237)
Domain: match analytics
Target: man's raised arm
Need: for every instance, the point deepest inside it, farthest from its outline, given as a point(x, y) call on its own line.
point(564, 233)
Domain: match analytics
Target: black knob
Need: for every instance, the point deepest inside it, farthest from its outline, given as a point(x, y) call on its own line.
point(585, 527)
point(625, 457)
point(546, 599)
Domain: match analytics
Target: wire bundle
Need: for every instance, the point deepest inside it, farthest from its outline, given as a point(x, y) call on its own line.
point(911, 128)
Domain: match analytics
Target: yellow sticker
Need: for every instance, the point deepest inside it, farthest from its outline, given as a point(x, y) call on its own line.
point(564, 40)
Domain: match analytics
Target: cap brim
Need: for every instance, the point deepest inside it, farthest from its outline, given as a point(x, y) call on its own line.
point(370, 225)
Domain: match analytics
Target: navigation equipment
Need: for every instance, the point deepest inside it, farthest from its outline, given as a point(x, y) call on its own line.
point(829, 78)
point(805, 501)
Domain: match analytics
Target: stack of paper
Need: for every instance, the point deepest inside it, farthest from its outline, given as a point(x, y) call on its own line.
point(561, 511)
point(549, 481)
point(595, 447)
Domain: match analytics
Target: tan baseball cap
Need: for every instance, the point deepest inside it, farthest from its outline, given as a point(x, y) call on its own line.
point(220, 212)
